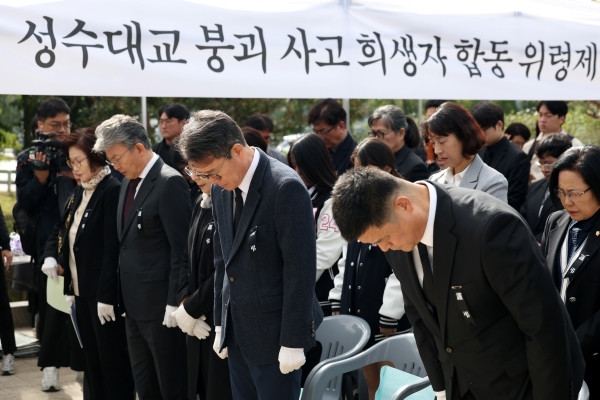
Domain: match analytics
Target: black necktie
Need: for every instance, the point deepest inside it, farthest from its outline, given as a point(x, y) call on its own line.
point(428, 289)
point(133, 184)
point(239, 207)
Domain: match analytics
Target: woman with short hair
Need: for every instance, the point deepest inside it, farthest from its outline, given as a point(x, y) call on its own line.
point(85, 248)
point(456, 139)
point(571, 242)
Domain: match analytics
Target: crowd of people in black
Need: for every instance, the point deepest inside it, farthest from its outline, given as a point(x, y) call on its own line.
point(135, 233)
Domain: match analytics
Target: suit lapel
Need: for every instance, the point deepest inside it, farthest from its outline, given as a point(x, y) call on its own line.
point(144, 190)
point(122, 196)
point(251, 203)
point(226, 225)
point(591, 247)
point(444, 246)
point(471, 177)
point(500, 153)
point(90, 206)
point(556, 238)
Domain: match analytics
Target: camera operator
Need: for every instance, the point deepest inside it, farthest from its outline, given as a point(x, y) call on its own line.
point(44, 184)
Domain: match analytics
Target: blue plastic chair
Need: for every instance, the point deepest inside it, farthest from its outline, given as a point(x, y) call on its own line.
point(341, 336)
point(400, 350)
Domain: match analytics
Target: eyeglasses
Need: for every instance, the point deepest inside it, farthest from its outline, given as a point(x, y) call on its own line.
point(572, 195)
point(544, 166)
point(57, 125)
point(191, 172)
point(165, 121)
point(117, 161)
point(75, 164)
point(323, 132)
point(378, 134)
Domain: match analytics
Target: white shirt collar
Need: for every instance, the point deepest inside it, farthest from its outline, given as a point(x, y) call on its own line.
point(245, 184)
point(451, 178)
point(149, 166)
point(428, 235)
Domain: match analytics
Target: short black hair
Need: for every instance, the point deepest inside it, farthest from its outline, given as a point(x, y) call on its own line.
point(518, 129)
point(363, 198)
point(254, 138)
point(554, 145)
point(209, 135)
point(374, 152)
point(582, 159)
point(487, 114)
point(175, 110)
point(434, 103)
point(258, 122)
point(560, 108)
point(269, 121)
point(51, 107)
point(329, 111)
point(311, 157)
point(394, 118)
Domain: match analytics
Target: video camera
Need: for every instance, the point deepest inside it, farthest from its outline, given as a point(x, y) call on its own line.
point(56, 160)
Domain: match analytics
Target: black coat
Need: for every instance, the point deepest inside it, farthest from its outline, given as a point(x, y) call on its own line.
point(530, 210)
point(521, 344)
point(197, 282)
point(583, 292)
point(96, 246)
point(341, 158)
point(511, 162)
point(410, 165)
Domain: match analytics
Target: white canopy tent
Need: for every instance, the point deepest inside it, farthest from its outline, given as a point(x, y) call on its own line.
point(460, 49)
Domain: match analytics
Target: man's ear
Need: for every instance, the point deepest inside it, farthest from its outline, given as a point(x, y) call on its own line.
point(402, 204)
point(500, 126)
point(561, 120)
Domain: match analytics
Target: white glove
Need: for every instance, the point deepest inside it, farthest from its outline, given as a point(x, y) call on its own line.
point(201, 328)
point(106, 312)
point(184, 320)
point(217, 345)
point(169, 321)
point(441, 395)
point(70, 300)
point(290, 359)
point(50, 268)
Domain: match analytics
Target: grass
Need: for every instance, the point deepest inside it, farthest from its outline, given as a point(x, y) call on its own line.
point(7, 202)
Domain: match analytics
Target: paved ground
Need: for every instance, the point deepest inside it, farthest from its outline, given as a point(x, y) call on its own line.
point(25, 384)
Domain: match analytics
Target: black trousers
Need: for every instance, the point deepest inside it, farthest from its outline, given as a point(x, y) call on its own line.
point(7, 327)
point(107, 366)
point(158, 360)
point(208, 374)
point(250, 381)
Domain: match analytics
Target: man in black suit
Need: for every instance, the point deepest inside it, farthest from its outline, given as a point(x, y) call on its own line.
point(266, 312)
point(487, 319)
point(152, 218)
point(172, 118)
point(538, 204)
point(328, 119)
point(499, 153)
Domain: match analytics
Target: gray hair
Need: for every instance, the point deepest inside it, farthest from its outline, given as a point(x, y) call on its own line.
point(209, 135)
point(120, 129)
point(394, 118)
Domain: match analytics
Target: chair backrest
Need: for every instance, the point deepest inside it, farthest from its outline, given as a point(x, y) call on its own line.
point(400, 350)
point(341, 337)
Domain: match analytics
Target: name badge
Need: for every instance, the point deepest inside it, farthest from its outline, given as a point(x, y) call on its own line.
point(462, 305)
point(252, 240)
point(139, 219)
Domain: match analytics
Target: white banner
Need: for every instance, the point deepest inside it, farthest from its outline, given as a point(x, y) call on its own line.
point(526, 50)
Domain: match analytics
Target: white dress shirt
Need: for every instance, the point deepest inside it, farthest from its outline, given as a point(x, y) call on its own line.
point(450, 178)
point(245, 184)
point(427, 239)
point(145, 172)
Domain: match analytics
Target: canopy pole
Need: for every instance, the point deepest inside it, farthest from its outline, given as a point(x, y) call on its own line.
point(420, 112)
point(346, 105)
point(144, 114)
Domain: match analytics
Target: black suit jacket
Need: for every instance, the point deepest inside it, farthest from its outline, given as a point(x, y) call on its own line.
point(511, 162)
point(530, 210)
point(583, 294)
point(265, 273)
point(410, 165)
point(522, 345)
point(341, 158)
point(96, 246)
point(153, 239)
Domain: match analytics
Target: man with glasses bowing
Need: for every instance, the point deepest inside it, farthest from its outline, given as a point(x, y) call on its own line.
point(153, 215)
point(266, 312)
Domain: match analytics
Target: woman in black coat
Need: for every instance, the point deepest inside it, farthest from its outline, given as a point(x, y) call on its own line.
point(571, 244)
point(85, 249)
point(208, 374)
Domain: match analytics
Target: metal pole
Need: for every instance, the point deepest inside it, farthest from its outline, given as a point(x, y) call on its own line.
point(9, 189)
point(420, 112)
point(346, 105)
point(144, 113)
